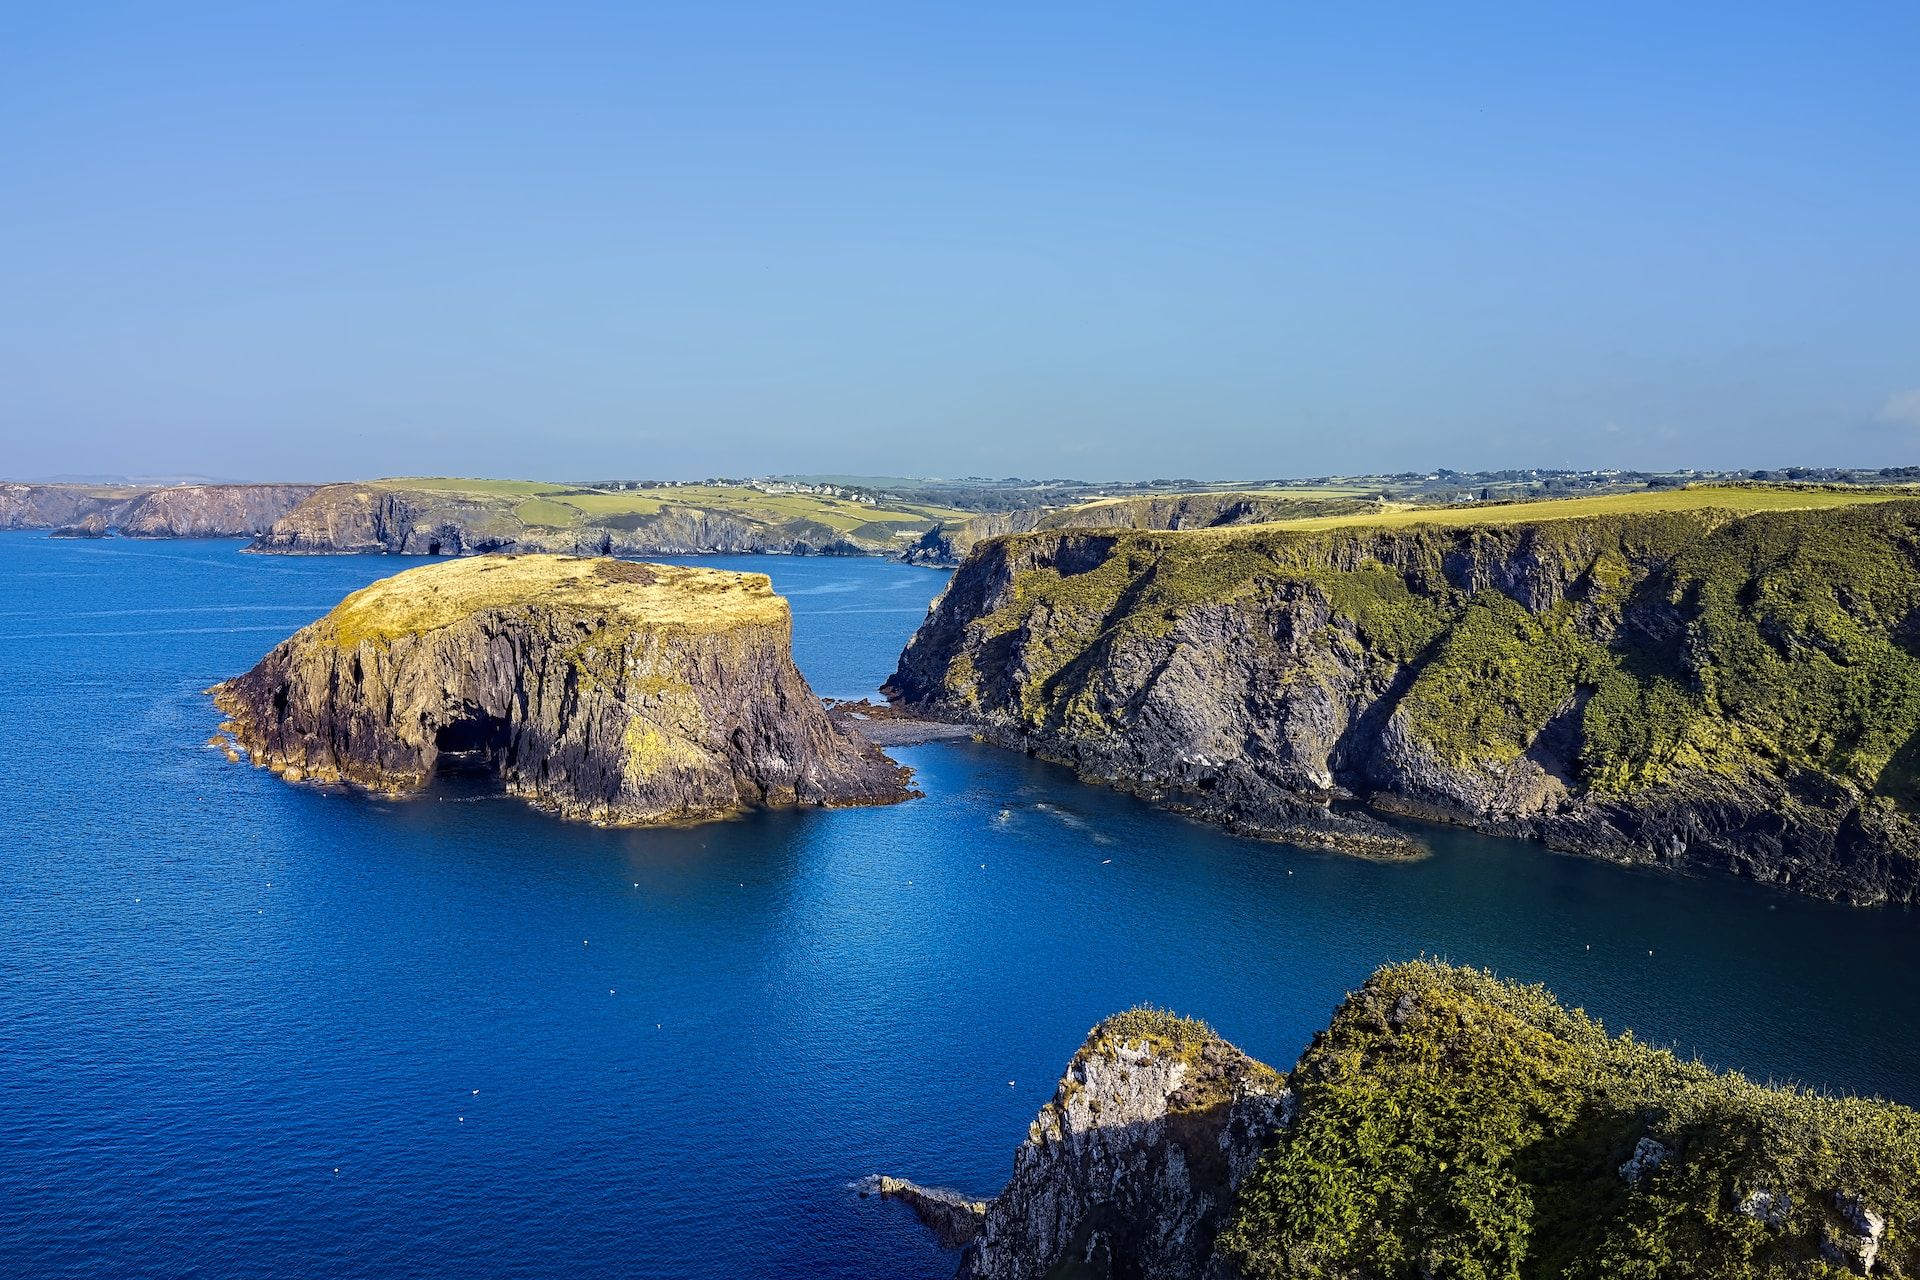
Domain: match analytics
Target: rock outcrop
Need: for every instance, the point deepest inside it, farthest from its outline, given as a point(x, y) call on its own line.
point(1694, 689)
point(953, 1218)
point(598, 689)
point(1131, 1168)
point(92, 526)
point(1444, 1124)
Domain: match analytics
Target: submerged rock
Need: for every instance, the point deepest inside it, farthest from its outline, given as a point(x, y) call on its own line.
point(599, 689)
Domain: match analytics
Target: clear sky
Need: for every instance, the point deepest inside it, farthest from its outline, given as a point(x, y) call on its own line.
point(323, 240)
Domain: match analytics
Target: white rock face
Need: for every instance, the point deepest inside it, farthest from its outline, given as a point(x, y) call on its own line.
point(1130, 1165)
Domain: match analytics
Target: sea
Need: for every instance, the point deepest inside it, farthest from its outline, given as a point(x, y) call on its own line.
point(254, 1029)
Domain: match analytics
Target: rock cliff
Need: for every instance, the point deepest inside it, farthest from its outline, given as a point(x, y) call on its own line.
point(1696, 689)
point(598, 689)
point(175, 511)
point(210, 510)
point(394, 518)
point(1445, 1124)
point(53, 506)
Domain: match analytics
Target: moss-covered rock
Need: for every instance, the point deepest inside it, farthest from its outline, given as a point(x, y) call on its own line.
point(1453, 1125)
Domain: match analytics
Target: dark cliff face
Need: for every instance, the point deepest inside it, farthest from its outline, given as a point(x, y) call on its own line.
point(396, 520)
point(602, 690)
point(1445, 1123)
point(1695, 690)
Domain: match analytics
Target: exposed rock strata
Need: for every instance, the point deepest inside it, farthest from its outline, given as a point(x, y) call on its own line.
point(1444, 1124)
point(598, 689)
point(1693, 690)
point(211, 510)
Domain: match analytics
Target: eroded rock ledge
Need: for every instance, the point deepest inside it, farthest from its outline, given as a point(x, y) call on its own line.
point(599, 689)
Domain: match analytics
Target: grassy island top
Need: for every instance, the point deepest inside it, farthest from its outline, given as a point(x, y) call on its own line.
point(1740, 499)
point(657, 595)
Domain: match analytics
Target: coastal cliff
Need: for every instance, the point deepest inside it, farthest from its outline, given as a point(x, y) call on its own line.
point(174, 511)
point(210, 510)
point(1698, 688)
point(435, 518)
point(598, 689)
point(948, 544)
point(1445, 1124)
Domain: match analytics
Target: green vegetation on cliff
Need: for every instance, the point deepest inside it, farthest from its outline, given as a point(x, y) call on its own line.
point(1699, 637)
point(1453, 1125)
point(639, 596)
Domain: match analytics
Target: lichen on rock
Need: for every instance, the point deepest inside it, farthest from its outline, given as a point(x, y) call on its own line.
point(599, 689)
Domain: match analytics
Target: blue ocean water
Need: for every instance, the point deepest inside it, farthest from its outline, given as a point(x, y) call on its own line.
point(253, 1029)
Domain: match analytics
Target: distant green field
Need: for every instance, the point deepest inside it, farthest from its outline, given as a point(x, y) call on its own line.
point(1704, 497)
point(558, 506)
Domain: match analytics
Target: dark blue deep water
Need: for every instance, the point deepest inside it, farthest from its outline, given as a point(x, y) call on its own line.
point(253, 1029)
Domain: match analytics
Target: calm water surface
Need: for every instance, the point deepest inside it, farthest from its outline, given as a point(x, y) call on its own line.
point(251, 1029)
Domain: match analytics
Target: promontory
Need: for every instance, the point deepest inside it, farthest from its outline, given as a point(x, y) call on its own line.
point(599, 689)
point(1716, 678)
point(1445, 1124)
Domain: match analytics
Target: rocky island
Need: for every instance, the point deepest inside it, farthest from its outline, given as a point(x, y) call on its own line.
point(598, 689)
point(1445, 1124)
point(1707, 679)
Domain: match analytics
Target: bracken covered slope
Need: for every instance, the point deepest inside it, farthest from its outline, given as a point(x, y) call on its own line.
point(1697, 688)
point(599, 689)
point(1446, 1126)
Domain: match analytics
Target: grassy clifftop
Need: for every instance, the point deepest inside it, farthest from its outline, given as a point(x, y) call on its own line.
point(1453, 1125)
point(651, 595)
point(559, 507)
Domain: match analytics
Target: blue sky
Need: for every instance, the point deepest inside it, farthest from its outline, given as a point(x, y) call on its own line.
point(332, 240)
